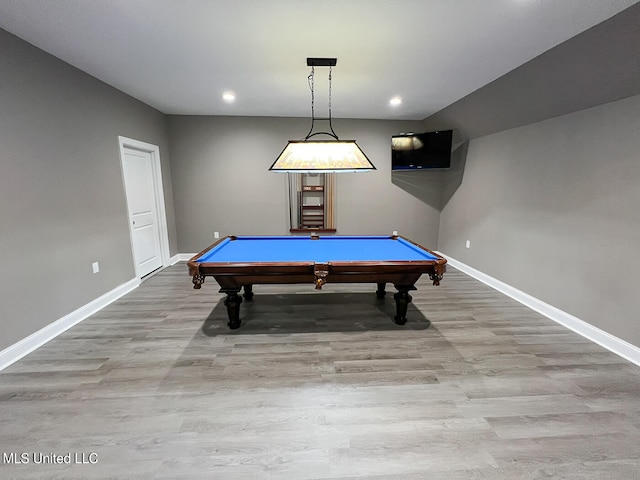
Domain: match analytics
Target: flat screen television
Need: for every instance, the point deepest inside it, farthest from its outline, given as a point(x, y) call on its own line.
point(415, 151)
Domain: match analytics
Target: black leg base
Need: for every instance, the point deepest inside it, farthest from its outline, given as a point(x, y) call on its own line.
point(399, 320)
point(403, 299)
point(248, 293)
point(232, 302)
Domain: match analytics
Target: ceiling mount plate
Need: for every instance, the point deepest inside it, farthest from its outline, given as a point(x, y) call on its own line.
point(321, 62)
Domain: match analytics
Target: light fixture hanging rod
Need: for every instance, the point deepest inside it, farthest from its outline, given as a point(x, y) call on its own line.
point(321, 62)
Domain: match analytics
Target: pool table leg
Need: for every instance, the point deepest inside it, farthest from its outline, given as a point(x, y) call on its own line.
point(403, 299)
point(380, 292)
point(248, 293)
point(232, 302)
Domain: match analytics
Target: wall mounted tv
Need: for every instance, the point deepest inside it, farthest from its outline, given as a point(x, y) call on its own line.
point(415, 151)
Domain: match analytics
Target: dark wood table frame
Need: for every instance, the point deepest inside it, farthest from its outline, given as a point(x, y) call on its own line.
point(232, 277)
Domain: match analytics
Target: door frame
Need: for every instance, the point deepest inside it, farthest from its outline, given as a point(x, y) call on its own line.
point(158, 191)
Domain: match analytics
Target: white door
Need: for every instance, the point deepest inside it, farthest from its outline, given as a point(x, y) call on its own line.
point(143, 213)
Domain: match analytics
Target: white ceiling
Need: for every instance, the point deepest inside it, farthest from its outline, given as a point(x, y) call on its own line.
point(180, 56)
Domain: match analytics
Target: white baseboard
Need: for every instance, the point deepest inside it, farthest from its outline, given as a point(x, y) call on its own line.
point(27, 345)
point(185, 257)
point(610, 342)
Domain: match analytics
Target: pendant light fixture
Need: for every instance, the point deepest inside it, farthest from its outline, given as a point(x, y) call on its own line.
point(321, 156)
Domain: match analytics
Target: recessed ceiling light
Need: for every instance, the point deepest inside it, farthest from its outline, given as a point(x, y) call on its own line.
point(228, 97)
point(395, 101)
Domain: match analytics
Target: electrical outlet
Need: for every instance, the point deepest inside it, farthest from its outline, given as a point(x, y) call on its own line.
point(96, 267)
point(216, 234)
point(468, 244)
point(395, 233)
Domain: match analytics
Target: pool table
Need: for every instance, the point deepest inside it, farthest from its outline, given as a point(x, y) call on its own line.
point(239, 262)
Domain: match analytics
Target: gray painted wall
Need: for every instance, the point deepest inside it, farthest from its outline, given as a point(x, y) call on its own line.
point(62, 201)
point(538, 200)
point(552, 209)
point(222, 183)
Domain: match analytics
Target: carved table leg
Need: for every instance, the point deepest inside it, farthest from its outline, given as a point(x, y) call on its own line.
point(380, 293)
point(403, 299)
point(232, 302)
point(248, 293)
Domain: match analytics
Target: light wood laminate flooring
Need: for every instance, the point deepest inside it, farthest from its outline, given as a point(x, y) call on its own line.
point(320, 385)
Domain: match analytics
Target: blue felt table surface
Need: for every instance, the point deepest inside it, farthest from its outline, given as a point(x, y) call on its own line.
point(323, 250)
